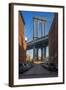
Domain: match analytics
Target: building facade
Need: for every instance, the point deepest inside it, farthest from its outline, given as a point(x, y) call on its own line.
point(22, 42)
point(53, 41)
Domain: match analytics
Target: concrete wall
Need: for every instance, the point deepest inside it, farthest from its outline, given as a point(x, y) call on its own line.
point(22, 43)
point(53, 41)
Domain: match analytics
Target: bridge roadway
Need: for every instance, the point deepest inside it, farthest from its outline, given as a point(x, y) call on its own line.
point(38, 43)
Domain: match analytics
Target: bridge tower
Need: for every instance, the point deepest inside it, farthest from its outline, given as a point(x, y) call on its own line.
point(38, 32)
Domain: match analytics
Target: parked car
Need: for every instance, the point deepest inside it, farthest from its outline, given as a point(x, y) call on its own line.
point(50, 66)
point(53, 67)
point(24, 67)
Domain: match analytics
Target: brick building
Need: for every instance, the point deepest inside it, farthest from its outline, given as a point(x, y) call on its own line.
point(53, 41)
point(22, 42)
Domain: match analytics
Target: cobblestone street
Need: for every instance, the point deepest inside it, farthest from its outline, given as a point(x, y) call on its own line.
point(37, 71)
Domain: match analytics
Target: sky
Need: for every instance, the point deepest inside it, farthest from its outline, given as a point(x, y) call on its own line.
point(28, 18)
point(28, 28)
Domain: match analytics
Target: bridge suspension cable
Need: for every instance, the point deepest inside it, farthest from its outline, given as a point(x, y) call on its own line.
point(29, 32)
point(30, 35)
point(28, 29)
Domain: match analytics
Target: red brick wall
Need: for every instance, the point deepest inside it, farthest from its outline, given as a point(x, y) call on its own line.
point(22, 43)
point(53, 41)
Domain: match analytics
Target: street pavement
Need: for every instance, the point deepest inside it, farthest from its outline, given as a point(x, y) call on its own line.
point(37, 71)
